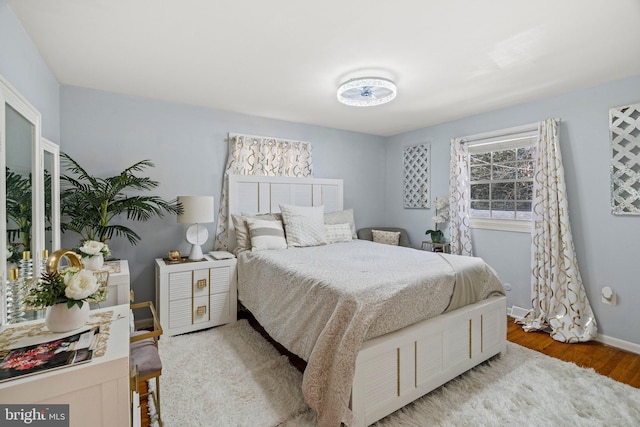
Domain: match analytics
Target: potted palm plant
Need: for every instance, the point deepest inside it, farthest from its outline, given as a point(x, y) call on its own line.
point(89, 204)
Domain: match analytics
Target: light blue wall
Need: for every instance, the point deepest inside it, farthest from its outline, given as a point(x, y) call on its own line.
point(106, 132)
point(607, 246)
point(23, 67)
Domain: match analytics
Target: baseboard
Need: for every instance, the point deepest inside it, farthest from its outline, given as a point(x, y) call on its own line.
point(618, 343)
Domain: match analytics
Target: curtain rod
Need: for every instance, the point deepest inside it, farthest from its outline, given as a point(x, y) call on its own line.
point(502, 132)
point(233, 134)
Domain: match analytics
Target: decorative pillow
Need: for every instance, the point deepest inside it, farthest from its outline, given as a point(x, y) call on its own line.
point(266, 234)
point(243, 239)
point(304, 225)
point(342, 217)
point(386, 237)
point(338, 233)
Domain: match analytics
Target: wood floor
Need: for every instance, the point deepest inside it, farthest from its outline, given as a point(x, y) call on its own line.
point(609, 361)
point(614, 363)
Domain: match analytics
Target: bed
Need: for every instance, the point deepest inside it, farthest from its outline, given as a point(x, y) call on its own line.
point(375, 332)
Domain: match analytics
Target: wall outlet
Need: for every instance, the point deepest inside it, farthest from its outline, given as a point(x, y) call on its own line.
point(608, 296)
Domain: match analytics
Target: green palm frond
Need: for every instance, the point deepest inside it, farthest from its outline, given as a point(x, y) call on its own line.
point(91, 203)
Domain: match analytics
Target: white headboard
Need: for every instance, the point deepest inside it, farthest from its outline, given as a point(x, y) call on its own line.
point(264, 194)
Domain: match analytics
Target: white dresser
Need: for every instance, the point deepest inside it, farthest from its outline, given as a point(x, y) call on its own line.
point(97, 392)
point(119, 286)
point(195, 295)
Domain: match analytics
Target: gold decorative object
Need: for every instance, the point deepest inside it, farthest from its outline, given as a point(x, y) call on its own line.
point(174, 255)
point(201, 284)
point(202, 310)
point(53, 262)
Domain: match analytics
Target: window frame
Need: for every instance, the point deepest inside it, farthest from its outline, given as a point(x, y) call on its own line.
point(499, 142)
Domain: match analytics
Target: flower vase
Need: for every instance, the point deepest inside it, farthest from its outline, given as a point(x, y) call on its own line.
point(60, 318)
point(436, 237)
point(94, 262)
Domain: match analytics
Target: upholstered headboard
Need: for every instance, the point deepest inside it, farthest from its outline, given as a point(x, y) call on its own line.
point(264, 194)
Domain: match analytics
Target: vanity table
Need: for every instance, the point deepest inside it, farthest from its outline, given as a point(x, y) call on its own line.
point(97, 391)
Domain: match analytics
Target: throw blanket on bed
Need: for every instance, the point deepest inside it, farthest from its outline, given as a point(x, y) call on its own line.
point(323, 302)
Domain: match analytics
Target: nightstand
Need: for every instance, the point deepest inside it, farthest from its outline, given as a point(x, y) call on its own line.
point(194, 295)
point(444, 247)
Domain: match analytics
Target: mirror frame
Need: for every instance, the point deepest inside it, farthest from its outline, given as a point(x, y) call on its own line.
point(9, 95)
point(53, 149)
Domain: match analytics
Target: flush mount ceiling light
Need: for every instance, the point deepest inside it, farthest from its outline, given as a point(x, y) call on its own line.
point(367, 92)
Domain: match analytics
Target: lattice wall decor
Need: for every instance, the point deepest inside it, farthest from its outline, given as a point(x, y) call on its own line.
point(624, 124)
point(417, 169)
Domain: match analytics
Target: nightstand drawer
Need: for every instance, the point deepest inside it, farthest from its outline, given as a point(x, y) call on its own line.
point(201, 309)
point(220, 310)
point(200, 283)
point(180, 313)
point(180, 285)
point(220, 279)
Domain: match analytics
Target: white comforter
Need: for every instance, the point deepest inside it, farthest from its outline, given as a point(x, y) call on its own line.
point(323, 302)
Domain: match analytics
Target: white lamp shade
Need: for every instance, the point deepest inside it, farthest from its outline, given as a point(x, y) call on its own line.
point(196, 209)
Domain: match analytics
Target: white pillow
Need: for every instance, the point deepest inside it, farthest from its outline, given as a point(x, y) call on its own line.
point(342, 217)
point(338, 233)
point(304, 225)
point(386, 237)
point(266, 234)
point(243, 239)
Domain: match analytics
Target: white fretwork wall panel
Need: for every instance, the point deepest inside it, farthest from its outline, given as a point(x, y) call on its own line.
point(417, 170)
point(624, 125)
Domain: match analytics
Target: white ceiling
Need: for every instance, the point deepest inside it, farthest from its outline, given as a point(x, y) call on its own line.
point(284, 59)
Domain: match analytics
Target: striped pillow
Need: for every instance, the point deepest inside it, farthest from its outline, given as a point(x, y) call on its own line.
point(266, 234)
point(338, 232)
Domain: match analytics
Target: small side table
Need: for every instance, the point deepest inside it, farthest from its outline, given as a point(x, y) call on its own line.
point(444, 247)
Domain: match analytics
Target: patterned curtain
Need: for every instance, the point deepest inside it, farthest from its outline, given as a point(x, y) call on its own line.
point(460, 196)
point(558, 297)
point(257, 155)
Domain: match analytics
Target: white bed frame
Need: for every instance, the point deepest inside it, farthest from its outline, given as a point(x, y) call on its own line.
point(399, 367)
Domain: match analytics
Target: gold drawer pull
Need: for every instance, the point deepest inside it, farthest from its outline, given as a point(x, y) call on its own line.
point(201, 284)
point(202, 310)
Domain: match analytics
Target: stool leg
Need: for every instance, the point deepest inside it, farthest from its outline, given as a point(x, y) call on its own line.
point(158, 398)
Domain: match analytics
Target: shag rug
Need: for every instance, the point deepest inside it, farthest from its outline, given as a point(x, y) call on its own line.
point(231, 376)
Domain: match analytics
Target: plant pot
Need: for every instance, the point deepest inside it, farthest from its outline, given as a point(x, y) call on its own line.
point(93, 263)
point(436, 237)
point(59, 318)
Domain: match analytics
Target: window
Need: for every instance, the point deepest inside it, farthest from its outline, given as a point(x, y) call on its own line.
point(501, 182)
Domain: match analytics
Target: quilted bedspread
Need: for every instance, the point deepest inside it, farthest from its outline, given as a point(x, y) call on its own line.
point(323, 302)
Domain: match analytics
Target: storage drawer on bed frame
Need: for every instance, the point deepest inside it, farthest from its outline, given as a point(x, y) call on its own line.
point(395, 369)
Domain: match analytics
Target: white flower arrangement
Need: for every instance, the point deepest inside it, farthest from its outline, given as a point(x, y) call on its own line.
point(90, 248)
point(72, 286)
point(442, 216)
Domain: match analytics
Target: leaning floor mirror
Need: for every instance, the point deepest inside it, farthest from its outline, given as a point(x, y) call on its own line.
point(29, 199)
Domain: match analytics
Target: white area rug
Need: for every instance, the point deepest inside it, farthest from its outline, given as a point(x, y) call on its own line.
point(231, 376)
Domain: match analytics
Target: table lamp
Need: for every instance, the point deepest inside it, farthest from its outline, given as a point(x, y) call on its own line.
point(196, 210)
